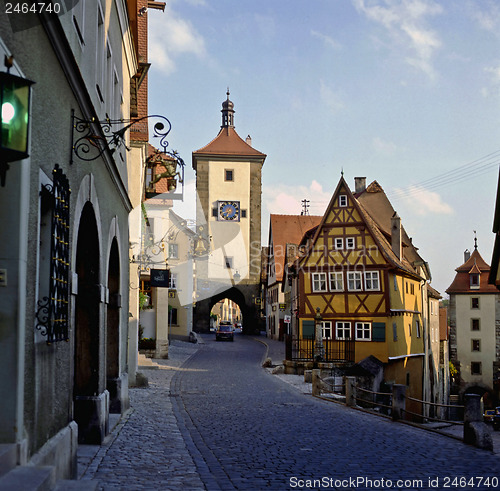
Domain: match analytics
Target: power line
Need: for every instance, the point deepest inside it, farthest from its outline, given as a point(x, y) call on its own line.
point(466, 171)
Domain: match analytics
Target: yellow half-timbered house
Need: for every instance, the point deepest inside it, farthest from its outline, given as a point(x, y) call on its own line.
point(366, 279)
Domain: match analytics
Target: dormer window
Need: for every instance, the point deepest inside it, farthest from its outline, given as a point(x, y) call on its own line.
point(474, 281)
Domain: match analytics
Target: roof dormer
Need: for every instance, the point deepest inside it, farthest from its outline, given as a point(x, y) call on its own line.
point(474, 277)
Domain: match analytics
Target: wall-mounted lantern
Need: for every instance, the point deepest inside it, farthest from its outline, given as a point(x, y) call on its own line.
point(14, 119)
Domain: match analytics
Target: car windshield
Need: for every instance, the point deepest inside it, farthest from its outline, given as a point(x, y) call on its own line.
point(225, 328)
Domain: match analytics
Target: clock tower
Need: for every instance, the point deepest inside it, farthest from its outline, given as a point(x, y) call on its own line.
point(228, 215)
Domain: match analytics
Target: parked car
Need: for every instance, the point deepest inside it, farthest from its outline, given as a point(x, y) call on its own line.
point(224, 331)
point(489, 415)
point(496, 419)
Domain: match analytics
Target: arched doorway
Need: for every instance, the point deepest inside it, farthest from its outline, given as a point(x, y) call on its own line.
point(89, 405)
point(236, 296)
point(489, 399)
point(113, 381)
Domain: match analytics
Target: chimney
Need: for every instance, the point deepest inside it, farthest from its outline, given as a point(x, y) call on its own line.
point(249, 140)
point(359, 184)
point(466, 255)
point(396, 243)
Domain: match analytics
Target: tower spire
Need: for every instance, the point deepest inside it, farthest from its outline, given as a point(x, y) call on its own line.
point(227, 112)
point(475, 240)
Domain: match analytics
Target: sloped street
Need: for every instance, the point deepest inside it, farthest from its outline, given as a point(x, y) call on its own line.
point(220, 421)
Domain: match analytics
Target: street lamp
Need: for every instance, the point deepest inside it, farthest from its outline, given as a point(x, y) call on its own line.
point(14, 119)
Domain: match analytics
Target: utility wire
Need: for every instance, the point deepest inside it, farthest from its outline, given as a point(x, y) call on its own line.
point(466, 171)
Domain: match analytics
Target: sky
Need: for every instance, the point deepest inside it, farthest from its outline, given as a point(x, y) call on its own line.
point(404, 92)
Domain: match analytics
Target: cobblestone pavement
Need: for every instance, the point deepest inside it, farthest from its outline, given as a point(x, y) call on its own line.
point(146, 450)
point(221, 422)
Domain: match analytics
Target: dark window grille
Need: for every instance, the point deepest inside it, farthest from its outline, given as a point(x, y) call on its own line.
point(53, 311)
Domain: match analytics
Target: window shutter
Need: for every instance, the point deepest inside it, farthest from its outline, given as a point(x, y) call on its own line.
point(308, 329)
point(378, 331)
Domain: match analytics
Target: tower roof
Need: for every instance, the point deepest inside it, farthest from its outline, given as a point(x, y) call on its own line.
point(227, 142)
point(475, 264)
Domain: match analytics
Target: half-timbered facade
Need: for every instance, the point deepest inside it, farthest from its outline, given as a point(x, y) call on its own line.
point(368, 293)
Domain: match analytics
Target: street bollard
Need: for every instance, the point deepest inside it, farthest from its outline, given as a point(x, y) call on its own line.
point(316, 382)
point(350, 391)
point(398, 401)
point(476, 431)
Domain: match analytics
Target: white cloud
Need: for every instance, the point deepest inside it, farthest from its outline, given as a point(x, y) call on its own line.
point(171, 36)
point(327, 40)
point(422, 201)
point(287, 200)
point(330, 98)
point(384, 147)
point(488, 18)
point(494, 75)
point(406, 24)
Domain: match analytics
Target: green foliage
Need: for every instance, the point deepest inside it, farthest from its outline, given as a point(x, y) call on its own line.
point(143, 301)
point(147, 343)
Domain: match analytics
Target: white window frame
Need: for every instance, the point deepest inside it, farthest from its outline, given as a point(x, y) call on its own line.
point(109, 82)
point(350, 243)
point(473, 284)
point(353, 278)
point(343, 200)
point(326, 326)
point(365, 328)
point(341, 328)
point(79, 19)
point(339, 243)
point(173, 251)
point(370, 278)
point(417, 328)
point(317, 280)
point(336, 280)
point(172, 281)
point(101, 53)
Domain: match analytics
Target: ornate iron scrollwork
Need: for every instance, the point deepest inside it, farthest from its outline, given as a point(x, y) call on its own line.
point(53, 311)
point(97, 136)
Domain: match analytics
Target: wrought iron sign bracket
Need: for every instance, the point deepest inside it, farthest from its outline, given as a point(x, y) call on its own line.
point(90, 139)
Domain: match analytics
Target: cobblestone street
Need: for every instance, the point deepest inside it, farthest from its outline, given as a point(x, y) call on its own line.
point(213, 419)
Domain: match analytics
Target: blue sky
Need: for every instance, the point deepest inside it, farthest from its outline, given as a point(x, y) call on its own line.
point(405, 92)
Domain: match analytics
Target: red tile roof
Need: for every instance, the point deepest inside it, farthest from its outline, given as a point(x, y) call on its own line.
point(288, 229)
point(475, 264)
point(228, 142)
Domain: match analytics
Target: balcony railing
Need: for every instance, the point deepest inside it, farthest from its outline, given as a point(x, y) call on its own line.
point(304, 349)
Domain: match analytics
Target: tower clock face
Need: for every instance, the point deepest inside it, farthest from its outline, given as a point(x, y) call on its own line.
point(229, 210)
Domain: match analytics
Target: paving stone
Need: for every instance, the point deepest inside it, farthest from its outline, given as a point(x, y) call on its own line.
point(213, 419)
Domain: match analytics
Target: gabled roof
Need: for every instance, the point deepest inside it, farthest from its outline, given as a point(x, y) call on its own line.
point(433, 293)
point(377, 204)
point(288, 229)
point(377, 233)
point(228, 142)
point(475, 264)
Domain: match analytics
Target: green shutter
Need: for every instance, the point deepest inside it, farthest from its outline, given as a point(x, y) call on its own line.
point(307, 329)
point(378, 331)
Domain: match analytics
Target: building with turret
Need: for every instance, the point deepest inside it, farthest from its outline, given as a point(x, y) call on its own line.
point(229, 190)
point(474, 312)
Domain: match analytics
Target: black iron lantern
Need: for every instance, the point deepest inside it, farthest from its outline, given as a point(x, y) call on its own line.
point(14, 120)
